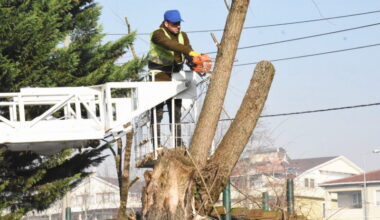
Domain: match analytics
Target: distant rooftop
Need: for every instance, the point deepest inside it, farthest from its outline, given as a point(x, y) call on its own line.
point(111, 180)
point(307, 163)
point(136, 187)
point(373, 176)
point(265, 150)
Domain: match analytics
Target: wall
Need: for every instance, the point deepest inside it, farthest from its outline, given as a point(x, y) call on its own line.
point(347, 213)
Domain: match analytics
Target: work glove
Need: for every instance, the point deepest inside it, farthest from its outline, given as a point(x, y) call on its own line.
point(194, 54)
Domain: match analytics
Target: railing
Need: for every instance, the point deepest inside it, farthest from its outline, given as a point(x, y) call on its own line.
point(57, 99)
point(145, 144)
point(40, 115)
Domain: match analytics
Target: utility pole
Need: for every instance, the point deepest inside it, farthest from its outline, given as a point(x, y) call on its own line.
point(66, 210)
point(365, 206)
point(290, 195)
point(365, 196)
point(265, 201)
point(227, 201)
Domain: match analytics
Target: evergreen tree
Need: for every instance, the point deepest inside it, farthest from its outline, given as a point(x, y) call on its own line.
point(33, 54)
point(33, 182)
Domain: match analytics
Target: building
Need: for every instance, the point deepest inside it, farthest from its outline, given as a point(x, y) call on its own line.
point(252, 170)
point(358, 197)
point(267, 170)
point(94, 198)
point(309, 173)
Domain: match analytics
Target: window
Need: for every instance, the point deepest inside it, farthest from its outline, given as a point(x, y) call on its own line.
point(312, 183)
point(278, 175)
point(350, 199)
point(357, 200)
point(377, 197)
point(309, 183)
point(253, 180)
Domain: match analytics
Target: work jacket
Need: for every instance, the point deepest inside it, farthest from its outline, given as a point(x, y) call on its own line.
point(168, 50)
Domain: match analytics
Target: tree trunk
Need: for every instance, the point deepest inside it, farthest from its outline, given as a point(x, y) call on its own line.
point(219, 167)
point(184, 184)
point(123, 174)
point(212, 107)
point(179, 188)
point(168, 195)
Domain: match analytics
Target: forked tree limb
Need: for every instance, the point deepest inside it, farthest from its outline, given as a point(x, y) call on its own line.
point(220, 165)
point(234, 141)
point(209, 116)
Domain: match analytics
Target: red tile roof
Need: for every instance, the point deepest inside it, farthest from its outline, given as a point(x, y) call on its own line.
point(373, 176)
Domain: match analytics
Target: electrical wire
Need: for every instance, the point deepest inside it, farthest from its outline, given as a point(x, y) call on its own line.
point(304, 37)
point(311, 55)
point(271, 25)
point(313, 111)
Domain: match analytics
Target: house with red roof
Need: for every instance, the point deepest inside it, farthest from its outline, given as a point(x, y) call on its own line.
point(358, 197)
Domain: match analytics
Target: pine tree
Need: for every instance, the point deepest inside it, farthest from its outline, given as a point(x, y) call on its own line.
point(33, 54)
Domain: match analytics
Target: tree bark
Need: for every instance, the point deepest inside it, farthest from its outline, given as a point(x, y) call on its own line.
point(168, 194)
point(183, 184)
point(179, 188)
point(123, 174)
point(220, 165)
point(212, 107)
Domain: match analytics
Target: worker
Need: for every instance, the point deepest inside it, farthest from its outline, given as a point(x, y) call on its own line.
point(169, 47)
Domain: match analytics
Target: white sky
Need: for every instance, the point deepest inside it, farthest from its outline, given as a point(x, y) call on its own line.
point(327, 81)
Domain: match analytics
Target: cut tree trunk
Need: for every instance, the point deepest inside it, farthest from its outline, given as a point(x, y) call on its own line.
point(185, 184)
point(179, 188)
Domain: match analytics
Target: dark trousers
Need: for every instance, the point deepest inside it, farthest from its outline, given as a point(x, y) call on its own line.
point(177, 118)
point(166, 75)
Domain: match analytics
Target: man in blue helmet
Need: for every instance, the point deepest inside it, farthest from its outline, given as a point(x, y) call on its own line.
point(168, 49)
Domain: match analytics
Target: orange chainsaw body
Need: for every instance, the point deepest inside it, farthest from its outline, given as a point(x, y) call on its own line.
point(202, 63)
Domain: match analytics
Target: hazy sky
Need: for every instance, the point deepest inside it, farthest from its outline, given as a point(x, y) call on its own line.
point(318, 82)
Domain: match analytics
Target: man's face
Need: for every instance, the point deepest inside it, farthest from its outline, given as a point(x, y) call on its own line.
point(173, 27)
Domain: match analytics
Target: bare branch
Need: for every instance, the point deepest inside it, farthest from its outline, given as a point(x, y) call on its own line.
point(215, 40)
point(133, 181)
point(226, 4)
point(129, 31)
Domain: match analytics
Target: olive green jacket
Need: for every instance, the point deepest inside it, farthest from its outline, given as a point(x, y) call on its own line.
point(159, 37)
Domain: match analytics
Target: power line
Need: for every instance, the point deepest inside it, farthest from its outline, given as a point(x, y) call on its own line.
point(270, 25)
point(311, 55)
point(304, 37)
point(294, 22)
point(314, 111)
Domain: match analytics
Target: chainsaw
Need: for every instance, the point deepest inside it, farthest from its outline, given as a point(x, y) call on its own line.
point(200, 64)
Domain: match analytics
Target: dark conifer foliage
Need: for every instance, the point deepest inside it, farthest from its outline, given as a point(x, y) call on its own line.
point(33, 54)
point(33, 182)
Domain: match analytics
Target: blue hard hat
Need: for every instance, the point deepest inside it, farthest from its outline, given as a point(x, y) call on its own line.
point(172, 16)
